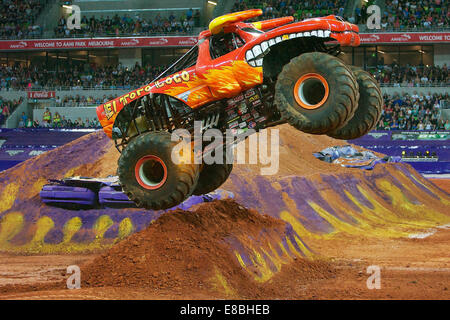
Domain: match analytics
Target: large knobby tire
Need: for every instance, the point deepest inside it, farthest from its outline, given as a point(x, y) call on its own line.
point(149, 176)
point(369, 108)
point(316, 93)
point(212, 176)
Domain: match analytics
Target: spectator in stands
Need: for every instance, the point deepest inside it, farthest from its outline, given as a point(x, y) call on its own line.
point(57, 120)
point(47, 117)
point(24, 118)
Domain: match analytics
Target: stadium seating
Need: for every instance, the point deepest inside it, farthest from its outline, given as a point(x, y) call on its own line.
point(17, 18)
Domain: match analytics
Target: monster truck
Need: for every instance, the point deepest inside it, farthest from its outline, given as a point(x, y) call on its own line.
point(239, 76)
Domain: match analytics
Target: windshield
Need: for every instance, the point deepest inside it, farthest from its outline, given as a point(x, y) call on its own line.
point(188, 60)
point(251, 30)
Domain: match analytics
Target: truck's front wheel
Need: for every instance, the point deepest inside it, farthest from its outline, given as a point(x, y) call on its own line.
point(316, 93)
point(150, 177)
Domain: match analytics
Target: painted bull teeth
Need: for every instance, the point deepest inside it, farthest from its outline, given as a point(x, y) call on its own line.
point(327, 33)
point(259, 62)
point(320, 33)
point(249, 55)
point(264, 46)
point(257, 50)
point(314, 33)
point(306, 34)
point(252, 63)
point(292, 36)
point(299, 35)
point(271, 42)
point(278, 39)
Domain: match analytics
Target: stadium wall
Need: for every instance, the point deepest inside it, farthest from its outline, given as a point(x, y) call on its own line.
point(13, 119)
point(410, 90)
point(441, 54)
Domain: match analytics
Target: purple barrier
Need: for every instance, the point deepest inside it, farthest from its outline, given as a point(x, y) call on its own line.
point(430, 167)
point(40, 137)
point(374, 136)
point(395, 135)
point(22, 144)
point(6, 164)
point(412, 144)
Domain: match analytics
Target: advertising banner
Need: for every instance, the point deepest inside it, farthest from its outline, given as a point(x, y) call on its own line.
point(98, 43)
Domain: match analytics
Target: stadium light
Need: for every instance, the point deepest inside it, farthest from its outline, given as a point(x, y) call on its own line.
point(213, 3)
point(66, 6)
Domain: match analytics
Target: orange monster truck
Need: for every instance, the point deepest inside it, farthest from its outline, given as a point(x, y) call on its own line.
point(239, 76)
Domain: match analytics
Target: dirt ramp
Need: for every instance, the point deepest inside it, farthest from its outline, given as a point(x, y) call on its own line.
point(197, 251)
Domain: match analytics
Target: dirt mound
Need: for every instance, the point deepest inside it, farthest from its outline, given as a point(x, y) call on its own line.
point(189, 251)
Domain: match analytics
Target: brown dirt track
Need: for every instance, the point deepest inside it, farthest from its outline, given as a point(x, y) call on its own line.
point(183, 254)
point(410, 270)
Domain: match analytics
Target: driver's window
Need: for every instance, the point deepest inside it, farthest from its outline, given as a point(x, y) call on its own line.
point(224, 43)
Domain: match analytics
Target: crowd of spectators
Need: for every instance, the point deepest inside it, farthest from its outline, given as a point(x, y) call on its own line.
point(17, 18)
point(411, 14)
point(416, 112)
point(126, 25)
point(413, 112)
point(397, 14)
point(55, 120)
point(119, 77)
point(7, 107)
point(411, 76)
point(299, 9)
point(77, 77)
point(18, 21)
point(81, 101)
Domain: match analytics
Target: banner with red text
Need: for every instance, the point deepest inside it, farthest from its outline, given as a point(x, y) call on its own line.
point(98, 43)
point(407, 37)
point(188, 41)
point(41, 94)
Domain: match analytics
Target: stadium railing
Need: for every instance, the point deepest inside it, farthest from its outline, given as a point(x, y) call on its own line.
point(363, 29)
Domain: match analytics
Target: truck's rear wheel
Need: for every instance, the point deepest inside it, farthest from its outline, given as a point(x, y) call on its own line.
point(316, 93)
point(369, 108)
point(149, 176)
point(212, 177)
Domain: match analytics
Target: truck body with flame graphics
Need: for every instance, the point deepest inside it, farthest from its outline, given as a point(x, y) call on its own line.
point(239, 76)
